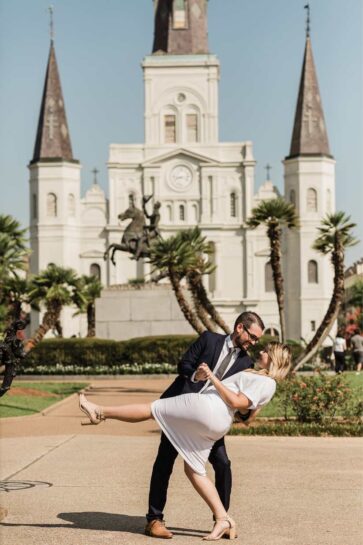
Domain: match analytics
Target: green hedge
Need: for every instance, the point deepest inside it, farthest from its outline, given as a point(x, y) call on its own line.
point(92, 353)
point(332, 428)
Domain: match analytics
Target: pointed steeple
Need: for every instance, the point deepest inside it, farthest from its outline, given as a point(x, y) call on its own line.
point(180, 27)
point(53, 139)
point(309, 136)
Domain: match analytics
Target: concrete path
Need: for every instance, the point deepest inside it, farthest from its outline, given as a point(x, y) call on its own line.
point(68, 484)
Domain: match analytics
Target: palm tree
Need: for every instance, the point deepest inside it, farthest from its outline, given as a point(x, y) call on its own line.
point(197, 266)
point(91, 290)
point(55, 288)
point(14, 295)
point(335, 236)
point(275, 214)
point(13, 249)
point(169, 256)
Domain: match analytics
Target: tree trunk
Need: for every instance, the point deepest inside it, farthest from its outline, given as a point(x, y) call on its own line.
point(274, 234)
point(184, 305)
point(200, 310)
point(206, 302)
point(91, 320)
point(333, 310)
point(49, 321)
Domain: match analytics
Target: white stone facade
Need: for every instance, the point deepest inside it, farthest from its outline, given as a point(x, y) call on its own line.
point(199, 181)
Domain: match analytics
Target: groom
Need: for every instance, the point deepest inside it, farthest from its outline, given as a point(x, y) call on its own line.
point(225, 355)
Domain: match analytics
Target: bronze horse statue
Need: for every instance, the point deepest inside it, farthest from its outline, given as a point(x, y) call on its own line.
point(137, 235)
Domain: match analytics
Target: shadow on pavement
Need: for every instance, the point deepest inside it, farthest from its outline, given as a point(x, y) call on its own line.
point(95, 520)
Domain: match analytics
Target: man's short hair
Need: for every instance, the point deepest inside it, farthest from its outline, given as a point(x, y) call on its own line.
point(247, 319)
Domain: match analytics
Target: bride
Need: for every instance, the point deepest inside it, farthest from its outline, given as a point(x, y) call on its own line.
point(193, 422)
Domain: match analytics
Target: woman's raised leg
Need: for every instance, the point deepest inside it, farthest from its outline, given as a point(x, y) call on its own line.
point(206, 489)
point(127, 413)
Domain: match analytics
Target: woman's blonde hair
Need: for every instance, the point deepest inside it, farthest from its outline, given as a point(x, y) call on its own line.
point(281, 361)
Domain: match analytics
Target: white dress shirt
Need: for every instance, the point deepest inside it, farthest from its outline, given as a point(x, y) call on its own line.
point(228, 344)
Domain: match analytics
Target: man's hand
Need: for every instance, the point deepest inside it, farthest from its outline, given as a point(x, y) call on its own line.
point(203, 372)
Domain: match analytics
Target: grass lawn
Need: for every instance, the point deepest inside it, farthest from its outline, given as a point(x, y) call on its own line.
point(25, 398)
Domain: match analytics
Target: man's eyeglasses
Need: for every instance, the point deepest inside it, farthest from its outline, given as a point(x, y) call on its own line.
point(253, 337)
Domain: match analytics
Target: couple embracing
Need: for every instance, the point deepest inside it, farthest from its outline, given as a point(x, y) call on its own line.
point(215, 380)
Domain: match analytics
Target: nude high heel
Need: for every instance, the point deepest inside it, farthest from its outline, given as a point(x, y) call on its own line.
point(93, 411)
point(229, 533)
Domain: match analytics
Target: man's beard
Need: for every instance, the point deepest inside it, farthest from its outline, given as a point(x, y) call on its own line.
point(244, 345)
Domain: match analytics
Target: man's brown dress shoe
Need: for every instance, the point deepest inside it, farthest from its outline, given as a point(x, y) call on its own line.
point(156, 528)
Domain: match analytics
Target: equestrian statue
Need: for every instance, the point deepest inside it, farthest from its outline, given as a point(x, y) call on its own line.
point(138, 235)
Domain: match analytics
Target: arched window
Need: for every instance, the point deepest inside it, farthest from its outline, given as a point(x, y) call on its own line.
point(95, 270)
point(212, 278)
point(71, 205)
point(169, 212)
point(293, 197)
point(131, 199)
point(170, 128)
point(233, 204)
point(51, 205)
point(192, 127)
point(313, 272)
point(181, 212)
point(269, 281)
point(272, 331)
point(312, 200)
point(35, 206)
point(179, 14)
point(195, 213)
point(210, 187)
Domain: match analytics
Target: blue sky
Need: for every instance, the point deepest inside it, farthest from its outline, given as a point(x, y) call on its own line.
point(260, 44)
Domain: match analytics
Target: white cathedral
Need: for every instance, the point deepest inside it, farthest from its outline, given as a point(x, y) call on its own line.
point(198, 180)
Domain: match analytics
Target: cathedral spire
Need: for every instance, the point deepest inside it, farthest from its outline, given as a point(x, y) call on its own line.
point(309, 136)
point(52, 140)
point(180, 27)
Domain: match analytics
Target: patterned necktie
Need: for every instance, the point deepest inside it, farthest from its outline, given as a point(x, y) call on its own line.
point(224, 363)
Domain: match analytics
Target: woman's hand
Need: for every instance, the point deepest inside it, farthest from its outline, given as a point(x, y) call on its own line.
point(204, 372)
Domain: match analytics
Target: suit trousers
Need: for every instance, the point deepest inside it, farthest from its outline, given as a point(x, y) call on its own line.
point(163, 468)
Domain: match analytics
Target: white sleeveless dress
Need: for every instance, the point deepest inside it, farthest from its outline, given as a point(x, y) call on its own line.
point(194, 422)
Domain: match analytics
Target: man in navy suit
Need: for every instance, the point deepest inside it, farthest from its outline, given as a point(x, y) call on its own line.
point(225, 355)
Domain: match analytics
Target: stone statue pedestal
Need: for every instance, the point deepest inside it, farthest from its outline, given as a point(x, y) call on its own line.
point(126, 311)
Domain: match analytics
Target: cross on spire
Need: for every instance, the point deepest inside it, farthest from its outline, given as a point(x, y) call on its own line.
point(268, 168)
point(307, 7)
point(95, 172)
point(51, 25)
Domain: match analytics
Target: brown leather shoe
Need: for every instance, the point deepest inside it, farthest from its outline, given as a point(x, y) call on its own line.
point(156, 528)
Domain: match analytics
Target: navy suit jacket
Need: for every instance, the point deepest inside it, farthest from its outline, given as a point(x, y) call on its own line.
point(206, 348)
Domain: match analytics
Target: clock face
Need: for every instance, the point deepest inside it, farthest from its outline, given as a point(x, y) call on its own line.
point(180, 178)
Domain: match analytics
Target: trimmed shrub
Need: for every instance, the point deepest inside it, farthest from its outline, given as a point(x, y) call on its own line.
point(336, 429)
point(94, 353)
point(158, 349)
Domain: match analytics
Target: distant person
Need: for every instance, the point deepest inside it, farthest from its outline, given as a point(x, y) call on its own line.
point(340, 347)
point(327, 352)
point(357, 348)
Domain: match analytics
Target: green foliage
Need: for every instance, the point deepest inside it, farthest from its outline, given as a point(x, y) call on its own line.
point(136, 281)
point(56, 286)
point(93, 354)
point(254, 350)
point(335, 229)
point(274, 212)
point(293, 429)
point(123, 369)
point(317, 398)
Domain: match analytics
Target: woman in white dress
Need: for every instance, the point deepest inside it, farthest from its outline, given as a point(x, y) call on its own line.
point(193, 422)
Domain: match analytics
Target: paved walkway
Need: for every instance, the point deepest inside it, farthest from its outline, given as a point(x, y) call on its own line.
point(88, 485)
